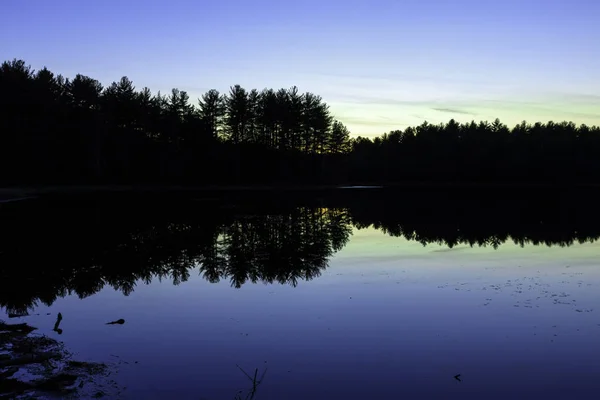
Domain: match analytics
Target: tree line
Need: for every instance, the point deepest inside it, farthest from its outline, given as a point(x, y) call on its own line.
point(61, 130)
point(56, 130)
point(552, 153)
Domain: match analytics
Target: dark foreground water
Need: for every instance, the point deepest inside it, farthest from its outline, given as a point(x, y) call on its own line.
point(335, 300)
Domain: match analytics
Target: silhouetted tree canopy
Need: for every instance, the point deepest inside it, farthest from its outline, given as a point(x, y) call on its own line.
point(68, 131)
point(59, 130)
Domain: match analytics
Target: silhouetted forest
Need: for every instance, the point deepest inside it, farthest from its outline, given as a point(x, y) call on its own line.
point(53, 247)
point(55, 130)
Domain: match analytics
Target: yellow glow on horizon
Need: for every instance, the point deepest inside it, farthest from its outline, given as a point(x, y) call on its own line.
point(375, 119)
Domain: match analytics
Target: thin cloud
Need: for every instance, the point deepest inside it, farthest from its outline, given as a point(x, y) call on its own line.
point(361, 99)
point(452, 111)
point(591, 98)
point(542, 107)
point(395, 77)
point(586, 98)
point(368, 121)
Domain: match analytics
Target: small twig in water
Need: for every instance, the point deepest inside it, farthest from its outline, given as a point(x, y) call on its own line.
point(255, 383)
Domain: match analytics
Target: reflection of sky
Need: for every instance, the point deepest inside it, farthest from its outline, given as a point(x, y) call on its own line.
point(380, 64)
point(372, 243)
point(388, 319)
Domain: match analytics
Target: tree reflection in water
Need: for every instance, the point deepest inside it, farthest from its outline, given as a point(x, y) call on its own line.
point(50, 249)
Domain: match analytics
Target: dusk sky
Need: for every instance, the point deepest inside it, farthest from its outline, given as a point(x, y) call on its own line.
point(380, 64)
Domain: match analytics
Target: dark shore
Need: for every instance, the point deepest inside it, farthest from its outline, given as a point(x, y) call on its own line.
point(33, 364)
point(10, 194)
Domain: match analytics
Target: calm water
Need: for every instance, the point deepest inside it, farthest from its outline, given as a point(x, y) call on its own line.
point(333, 307)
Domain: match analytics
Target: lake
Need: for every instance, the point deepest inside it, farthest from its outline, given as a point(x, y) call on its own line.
point(336, 295)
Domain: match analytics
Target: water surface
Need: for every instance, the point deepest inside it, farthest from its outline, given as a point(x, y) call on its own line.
point(331, 306)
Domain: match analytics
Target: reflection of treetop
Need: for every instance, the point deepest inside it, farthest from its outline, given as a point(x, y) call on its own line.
point(256, 248)
point(48, 251)
point(276, 248)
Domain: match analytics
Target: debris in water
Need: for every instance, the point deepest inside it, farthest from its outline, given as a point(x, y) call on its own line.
point(119, 321)
point(59, 318)
point(35, 365)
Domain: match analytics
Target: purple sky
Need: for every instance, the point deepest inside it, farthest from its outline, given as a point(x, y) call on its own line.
point(380, 64)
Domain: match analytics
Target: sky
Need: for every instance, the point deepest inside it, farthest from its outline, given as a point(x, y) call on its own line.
point(381, 65)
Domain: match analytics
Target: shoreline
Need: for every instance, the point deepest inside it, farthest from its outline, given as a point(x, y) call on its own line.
point(23, 193)
point(33, 364)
